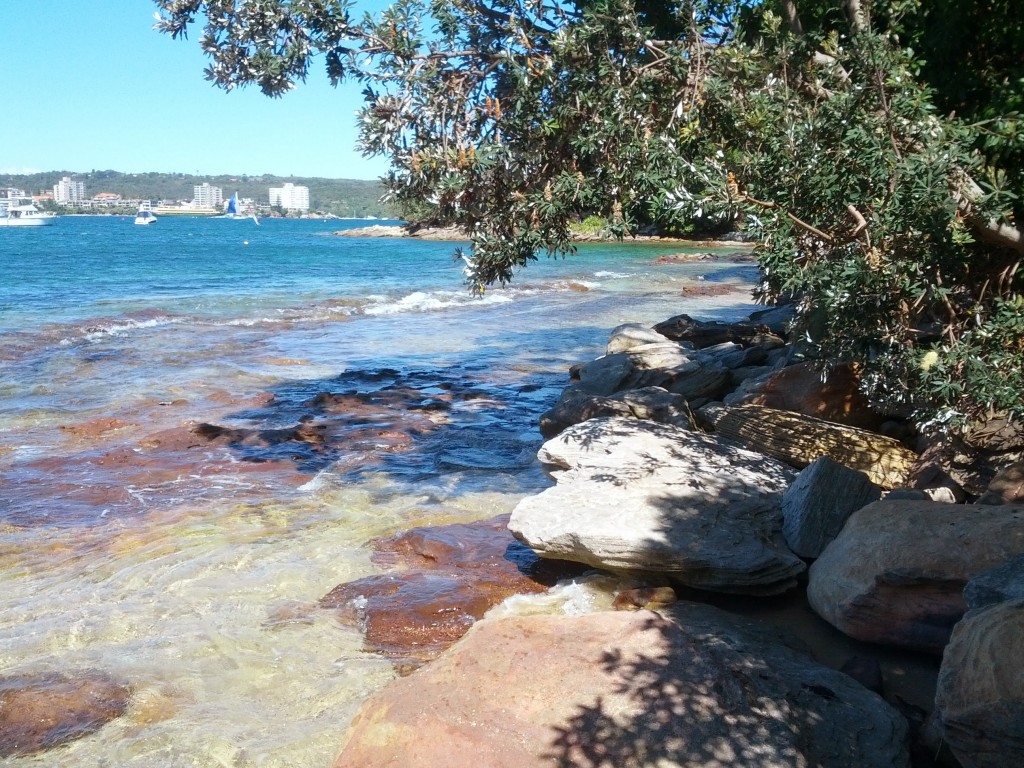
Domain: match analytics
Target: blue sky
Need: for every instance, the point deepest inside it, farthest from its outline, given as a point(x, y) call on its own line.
point(89, 85)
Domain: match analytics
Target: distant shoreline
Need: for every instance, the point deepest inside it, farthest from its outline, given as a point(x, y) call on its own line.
point(744, 250)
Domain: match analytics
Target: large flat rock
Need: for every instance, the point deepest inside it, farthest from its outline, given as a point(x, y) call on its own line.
point(689, 686)
point(639, 496)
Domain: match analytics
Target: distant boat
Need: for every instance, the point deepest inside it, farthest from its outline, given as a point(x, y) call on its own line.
point(145, 216)
point(232, 210)
point(22, 212)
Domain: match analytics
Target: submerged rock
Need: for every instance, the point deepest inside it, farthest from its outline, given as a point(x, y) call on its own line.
point(638, 496)
point(38, 712)
point(689, 686)
point(446, 578)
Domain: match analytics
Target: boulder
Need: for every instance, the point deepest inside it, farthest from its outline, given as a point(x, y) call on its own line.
point(832, 395)
point(798, 440)
point(979, 701)
point(629, 335)
point(896, 572)
point(637, 496)
point(654, 403)
point(689, 686)
point(707, 333)
point(1004, 582)
point(1007, 487)
point(39, 712)
point(815, 507)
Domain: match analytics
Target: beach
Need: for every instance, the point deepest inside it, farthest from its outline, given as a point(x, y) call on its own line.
point(203, 423)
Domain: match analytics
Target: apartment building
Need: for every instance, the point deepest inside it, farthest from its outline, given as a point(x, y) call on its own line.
point(205, 196)
point(67, 191)
point(290, 197)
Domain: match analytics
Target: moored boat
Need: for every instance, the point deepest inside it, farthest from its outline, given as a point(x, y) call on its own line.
point(145, 216)
point(22, 212)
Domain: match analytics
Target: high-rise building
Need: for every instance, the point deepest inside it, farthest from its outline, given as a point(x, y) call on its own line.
point(205, 196)
point(290, 197)
point(67, 191)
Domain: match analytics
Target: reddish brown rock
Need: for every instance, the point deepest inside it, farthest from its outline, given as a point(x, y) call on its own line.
point(801, 388)
point(45, 711)
point(452, 574)
point(95, 427)
point(690, 686)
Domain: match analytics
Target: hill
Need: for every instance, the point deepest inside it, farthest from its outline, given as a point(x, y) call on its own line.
point(354, 198)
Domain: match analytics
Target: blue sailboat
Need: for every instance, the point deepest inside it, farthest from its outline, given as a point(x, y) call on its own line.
point(232, 210)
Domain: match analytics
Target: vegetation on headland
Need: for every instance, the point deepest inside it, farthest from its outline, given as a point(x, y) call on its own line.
point(347, 198)
point(872, 153)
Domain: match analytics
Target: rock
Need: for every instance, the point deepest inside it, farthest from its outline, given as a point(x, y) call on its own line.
point(450, 576)
point(798, 440)
point(637, 496)
point(817, 504)
point(1004, 582)
point(629, 335)
point(979, 699)
point(832, 396)
point(690, 686)
point(648, 598)
point(605, 375)
point(967, 467)
point(777, 319)
point(896, 572)
point(38, 712)
point(653, 403)
point(1007, 487)
point(708, 333)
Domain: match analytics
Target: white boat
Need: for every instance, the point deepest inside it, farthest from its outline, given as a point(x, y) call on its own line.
point(22, 212)
point(145, 216)
point(232, 210)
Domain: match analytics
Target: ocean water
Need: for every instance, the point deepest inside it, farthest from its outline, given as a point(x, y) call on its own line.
point(186, 560)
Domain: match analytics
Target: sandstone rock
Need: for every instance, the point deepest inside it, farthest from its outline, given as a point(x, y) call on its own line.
point(629, 335)
point(896, 572)
point(777, 319)
point(1004, 582)
point(690, 686)
point(979, 699)
point(1007, 487)
point(38, 712)
point(645, 497)
point(654, 403)
point(817, 504)
point(798, 440)
point(832, 396)
point(708, 333)
point(450, 576)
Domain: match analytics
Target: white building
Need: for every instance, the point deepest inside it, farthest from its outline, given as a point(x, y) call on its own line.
point(205, 196)
point(290, 197)
point(67, 191)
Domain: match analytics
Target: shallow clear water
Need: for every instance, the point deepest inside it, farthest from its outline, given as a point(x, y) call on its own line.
point(191, 569)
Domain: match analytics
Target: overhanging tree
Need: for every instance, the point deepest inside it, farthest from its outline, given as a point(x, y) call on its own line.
point(813, 125)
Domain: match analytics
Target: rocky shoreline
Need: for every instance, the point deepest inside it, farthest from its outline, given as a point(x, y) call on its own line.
point(741, 254)
point(701, 463)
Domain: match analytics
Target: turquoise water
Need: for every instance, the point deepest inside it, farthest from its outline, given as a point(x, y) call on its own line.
point(129, 545)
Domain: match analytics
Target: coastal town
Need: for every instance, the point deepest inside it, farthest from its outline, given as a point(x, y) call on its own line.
point(70, 195)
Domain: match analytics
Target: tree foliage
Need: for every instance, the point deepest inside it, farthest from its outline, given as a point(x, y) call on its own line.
point(874, 157)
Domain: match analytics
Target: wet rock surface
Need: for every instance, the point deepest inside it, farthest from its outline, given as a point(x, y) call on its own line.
point(39, 712)
point(445, 578)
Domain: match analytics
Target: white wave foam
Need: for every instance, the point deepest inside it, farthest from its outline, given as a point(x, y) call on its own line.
point(422, 301)
point(614, 275)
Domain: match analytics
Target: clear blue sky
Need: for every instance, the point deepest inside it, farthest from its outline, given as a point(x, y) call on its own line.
point(89, 85)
